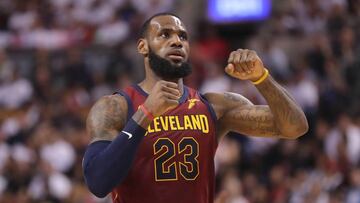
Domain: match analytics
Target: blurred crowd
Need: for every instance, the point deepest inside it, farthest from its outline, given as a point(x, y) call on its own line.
point(57, 57)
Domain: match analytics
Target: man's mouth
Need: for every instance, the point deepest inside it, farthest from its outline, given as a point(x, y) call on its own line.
point(176, 56)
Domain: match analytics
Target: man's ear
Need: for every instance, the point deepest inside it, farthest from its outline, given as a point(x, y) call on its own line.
point(142, 47)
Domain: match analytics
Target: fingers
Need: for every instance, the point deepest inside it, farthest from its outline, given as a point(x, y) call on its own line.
point(169, 87)
point(231, 57)
point(170, 96)
point(229, 69)
point(252, 57)
point(169, 100)
point(243, 60)
point(170, 92)
point(169, 84)
point(163, 97)
point(237, 61)
point(173, 91)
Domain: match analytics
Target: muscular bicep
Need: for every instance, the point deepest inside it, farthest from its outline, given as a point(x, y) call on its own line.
point(254, 120)
point(236, 113)
point(106, 118)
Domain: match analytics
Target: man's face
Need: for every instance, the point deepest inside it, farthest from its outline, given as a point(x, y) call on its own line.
point(168, 47)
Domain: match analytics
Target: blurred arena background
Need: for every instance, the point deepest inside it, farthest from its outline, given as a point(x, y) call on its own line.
point(58, 56)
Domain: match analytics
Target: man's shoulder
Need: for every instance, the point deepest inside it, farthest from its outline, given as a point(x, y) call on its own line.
point(108, 99)
point(112, 104)
point(106, 117)
point(227, 98)
point(223, 102)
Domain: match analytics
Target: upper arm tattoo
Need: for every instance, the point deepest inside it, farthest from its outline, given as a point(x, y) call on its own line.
point(244, 117)
point(254, 120)
point(106, 118)
point(281, 117)
point(240, 115)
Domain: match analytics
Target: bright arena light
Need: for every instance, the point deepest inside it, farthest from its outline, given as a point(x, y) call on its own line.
point(230, 11)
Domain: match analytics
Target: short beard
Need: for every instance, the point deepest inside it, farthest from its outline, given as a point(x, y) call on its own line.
point(164, 69)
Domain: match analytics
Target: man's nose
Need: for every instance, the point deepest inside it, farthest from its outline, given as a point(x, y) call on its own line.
point(176, 41)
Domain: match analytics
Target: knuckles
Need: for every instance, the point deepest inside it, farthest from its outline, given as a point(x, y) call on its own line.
point(160, 99)
point(242, 55)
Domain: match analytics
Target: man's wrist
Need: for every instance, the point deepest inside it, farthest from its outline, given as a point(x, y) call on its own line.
point(146, 112)
point(264, 76)
point(142, 119)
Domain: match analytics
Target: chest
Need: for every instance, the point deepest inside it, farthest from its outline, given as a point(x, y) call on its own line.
point(187, 121)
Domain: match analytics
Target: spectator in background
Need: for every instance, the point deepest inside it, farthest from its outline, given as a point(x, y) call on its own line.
point(15, 89)
point(353, 194)
point(23, 17)
point(215, 80)
point(342, 144)
point(112, 32)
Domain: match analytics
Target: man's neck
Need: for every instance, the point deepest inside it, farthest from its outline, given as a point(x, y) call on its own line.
point(149, 82)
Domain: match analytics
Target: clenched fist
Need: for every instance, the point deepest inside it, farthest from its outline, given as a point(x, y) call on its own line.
point(164, 96)
point(245, 64)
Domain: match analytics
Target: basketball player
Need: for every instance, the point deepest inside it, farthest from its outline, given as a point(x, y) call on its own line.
point(154, 142)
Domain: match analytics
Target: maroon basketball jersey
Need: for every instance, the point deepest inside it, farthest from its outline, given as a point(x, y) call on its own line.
point(175, 160)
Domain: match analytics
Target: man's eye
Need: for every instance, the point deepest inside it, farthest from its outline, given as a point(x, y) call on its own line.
point(165, 35)
point(183, 37)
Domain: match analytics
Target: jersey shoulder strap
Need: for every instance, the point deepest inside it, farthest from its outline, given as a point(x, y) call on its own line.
point(125, 93)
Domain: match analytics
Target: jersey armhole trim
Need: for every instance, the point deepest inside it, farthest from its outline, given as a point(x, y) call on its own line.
point(210, 108)
point(129, 103)
point(212, 114)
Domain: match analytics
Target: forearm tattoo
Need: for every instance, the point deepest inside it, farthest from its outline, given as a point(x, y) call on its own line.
point(286, 112)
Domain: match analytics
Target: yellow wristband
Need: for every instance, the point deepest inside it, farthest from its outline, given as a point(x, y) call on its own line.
point(262, 78)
